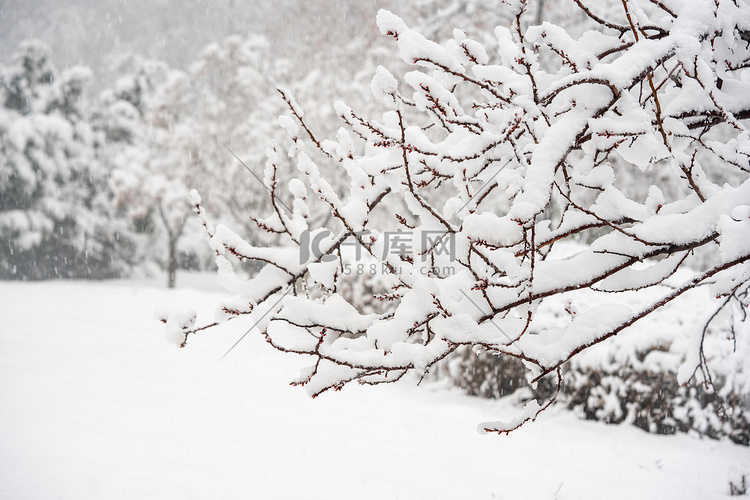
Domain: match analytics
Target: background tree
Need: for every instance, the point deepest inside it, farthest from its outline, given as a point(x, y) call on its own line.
point(234, 122)
point(171, 130)
point(57, 216)
point(528, 155)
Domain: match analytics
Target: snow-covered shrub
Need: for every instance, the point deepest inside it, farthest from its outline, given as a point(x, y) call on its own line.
point(657, 402)
point(636, 377)
point(488, 167)
point(739, 488)
point(653, 400)
point(485, 375)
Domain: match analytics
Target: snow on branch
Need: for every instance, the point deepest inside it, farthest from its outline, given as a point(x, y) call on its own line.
point(630, 141)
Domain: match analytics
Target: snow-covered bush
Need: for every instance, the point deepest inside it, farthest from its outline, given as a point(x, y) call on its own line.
point(656, 402)
point(483, 374)
point(635, 377)
point(486, 168)
point(617, 391)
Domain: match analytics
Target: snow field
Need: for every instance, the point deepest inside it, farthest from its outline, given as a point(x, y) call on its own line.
point(96, 404)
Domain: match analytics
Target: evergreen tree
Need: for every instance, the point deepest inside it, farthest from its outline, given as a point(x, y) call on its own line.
point(56, 212)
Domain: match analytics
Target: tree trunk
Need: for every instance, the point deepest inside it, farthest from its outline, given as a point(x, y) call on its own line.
point(172, 265)
point(173, 235)
point(539, 12)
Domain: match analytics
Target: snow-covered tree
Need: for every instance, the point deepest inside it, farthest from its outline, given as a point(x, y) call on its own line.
point(234, 120)
point(462, 196)
point(57, 212)
point(170, 130)
point(173, 163)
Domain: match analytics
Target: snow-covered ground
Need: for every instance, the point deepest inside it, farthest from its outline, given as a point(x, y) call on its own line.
point(95, 404)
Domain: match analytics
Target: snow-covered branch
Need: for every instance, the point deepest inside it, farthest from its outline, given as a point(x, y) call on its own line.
point(629, 140)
